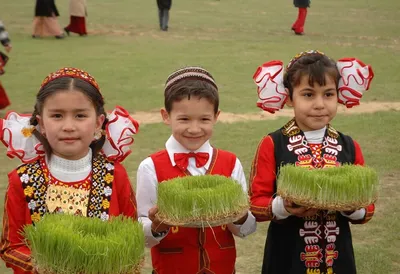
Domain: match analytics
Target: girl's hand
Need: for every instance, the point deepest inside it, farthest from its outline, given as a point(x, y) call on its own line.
point(8, 47)
point(157, 226)
point(299, 211)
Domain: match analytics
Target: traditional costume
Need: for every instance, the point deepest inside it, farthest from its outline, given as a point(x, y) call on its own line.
point(163, 13)
point(94, 186)
point(45, 22)
point(77, 12)
point(321, 243)
point(182, 249)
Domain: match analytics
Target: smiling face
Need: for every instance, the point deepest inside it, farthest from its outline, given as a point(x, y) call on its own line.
point(314, 106)
point(69, 122)
point(192, 121)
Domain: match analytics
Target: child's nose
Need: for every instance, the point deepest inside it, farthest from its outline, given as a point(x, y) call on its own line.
point(68, 125)
point(319, 102)
point(194, 127)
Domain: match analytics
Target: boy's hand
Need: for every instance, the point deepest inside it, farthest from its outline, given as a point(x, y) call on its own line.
point(299, 211)
point(241, 220)
point(157, 226)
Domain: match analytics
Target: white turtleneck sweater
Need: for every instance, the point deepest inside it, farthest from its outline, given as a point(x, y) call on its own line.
point(70, 170)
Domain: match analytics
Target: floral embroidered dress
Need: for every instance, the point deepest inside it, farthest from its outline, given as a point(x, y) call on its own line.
point(96, 186)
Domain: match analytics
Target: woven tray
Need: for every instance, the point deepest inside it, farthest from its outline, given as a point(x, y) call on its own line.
point(308, 202)
point(217, 221)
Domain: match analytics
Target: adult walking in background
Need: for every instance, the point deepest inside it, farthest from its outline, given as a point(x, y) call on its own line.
point(77, 12)
point(163, 13)
point(298, 25)
point(5, 41)
point(45, 22)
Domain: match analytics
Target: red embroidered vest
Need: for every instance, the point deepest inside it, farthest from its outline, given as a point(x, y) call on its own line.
point(195, 250)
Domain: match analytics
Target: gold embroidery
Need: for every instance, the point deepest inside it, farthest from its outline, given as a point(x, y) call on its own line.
point(67, 200)
point(291, 128)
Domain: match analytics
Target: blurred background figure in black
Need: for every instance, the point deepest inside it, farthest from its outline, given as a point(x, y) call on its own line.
point(45, 22)
point(163, 13)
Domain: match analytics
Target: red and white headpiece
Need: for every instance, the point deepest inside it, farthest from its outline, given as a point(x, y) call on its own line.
point(272, 96)
point(16, 132)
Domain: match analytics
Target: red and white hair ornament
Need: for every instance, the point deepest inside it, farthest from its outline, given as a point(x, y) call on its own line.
point(355, 79)
point(16, 133)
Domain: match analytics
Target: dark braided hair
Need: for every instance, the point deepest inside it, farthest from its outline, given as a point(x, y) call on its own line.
point(68, 83)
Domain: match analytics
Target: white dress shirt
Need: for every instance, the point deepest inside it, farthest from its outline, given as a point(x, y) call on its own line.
point(278, 208)
point(147, 183)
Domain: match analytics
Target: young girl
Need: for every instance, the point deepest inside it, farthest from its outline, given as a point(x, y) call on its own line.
point(71, 153)
point(300, 239)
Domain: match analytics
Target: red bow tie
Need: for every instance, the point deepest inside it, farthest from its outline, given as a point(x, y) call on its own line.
point(182, 159)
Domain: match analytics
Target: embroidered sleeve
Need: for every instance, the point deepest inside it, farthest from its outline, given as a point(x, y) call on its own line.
point(13, 250)
point(369, 210)
point(126, 195)
point(262, 181)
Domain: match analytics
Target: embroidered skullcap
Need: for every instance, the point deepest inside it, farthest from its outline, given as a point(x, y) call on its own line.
point(192, 73)
point(301, 54)
point(70, 72)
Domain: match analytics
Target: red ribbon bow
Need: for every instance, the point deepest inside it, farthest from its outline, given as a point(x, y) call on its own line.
point(182, 159)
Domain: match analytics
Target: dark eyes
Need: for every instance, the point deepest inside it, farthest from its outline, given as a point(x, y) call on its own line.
point(59, 116)
point(309, 94)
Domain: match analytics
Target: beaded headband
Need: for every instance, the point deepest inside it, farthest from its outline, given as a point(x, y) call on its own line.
point(189, 72)
point(70, 72)
point(301, 54)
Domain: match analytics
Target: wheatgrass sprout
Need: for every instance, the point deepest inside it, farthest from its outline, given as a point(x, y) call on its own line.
point(201, 201)
point(67, 244)
point(343, 188)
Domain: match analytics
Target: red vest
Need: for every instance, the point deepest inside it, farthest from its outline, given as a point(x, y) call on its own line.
point(195, 250)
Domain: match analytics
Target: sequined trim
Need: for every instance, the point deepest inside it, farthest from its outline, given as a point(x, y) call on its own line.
point(34, 183)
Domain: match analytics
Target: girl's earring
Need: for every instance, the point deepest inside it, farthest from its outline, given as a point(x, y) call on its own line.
point(97, 135)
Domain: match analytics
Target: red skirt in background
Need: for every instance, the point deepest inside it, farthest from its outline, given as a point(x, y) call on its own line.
point(77, 25)
point(4, 102)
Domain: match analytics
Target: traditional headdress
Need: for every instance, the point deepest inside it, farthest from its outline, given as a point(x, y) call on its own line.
point(355, 79)
point(192, 73)
point(70, 72)
point(17, 132)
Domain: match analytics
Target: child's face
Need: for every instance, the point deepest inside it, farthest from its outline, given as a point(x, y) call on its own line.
point(192, 121)
point(314, 107)
point(69, 122)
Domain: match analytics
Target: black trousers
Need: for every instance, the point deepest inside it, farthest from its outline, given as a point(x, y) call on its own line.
point(164, 4)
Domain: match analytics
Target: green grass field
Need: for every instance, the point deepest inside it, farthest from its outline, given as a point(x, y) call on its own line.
point(131, 59)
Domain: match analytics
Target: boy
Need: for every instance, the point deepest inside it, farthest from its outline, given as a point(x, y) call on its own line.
point(191, 110)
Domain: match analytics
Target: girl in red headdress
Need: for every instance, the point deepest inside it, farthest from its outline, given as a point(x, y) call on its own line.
point(71, 151)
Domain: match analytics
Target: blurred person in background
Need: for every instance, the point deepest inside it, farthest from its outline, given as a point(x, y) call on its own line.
point(77, 12)
point(298, 25)
point(163, 13)
point(45, 22)
point(5, 41)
